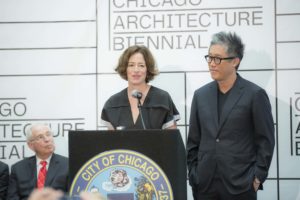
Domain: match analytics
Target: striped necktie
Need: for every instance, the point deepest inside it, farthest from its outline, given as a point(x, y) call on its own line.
point(42, 174)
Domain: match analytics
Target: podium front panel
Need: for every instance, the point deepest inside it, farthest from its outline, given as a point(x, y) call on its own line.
point(164, 147)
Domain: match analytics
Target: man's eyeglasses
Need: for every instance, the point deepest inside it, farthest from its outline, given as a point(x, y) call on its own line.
point(42, 137)
point(217, 60)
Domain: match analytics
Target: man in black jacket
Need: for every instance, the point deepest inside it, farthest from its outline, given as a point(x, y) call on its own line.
point(231, 135)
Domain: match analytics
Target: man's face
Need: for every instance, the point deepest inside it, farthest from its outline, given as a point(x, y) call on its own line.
point(41, 141)
point(226, 68)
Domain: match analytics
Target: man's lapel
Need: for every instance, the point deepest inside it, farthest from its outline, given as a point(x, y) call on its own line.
point(212, 101)
point(235, 94)
point(32, 171)
point(52, 169)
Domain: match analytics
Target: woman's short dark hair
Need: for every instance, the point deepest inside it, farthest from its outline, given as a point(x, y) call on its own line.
point(149, 59)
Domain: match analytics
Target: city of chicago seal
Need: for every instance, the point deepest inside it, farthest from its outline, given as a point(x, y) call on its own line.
point(123, 174)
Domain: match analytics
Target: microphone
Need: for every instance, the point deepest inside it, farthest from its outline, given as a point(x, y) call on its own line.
point(138, 95)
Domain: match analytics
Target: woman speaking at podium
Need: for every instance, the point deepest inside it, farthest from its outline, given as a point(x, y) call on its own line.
point(140, 105)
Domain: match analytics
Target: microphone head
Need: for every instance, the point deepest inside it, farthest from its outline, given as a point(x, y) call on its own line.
point(136, 94)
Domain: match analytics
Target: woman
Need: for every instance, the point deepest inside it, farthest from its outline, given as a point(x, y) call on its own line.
point(121, 111)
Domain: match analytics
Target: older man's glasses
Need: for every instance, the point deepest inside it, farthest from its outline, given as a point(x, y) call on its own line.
point(217, 60)
point(42, 137)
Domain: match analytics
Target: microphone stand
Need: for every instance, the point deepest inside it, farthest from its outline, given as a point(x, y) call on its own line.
point(140, 110)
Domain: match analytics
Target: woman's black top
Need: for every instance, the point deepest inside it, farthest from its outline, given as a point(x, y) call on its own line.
point(158, 110)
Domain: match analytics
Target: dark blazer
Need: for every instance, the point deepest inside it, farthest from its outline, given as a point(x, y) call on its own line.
point(23, 176)
point(4, 175)
point(241, 144)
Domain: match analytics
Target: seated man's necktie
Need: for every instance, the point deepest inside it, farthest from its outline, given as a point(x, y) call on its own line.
point(42, 175)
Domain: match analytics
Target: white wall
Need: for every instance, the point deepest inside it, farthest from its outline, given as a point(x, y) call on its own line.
point(57, 59)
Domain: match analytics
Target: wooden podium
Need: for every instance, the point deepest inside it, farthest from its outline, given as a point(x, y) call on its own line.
point(164, 147)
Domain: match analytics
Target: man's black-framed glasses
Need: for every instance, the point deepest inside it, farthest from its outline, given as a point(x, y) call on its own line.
point(217, 60)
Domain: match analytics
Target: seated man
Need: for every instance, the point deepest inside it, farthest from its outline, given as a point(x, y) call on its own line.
point(45, 169)
point(4, 174)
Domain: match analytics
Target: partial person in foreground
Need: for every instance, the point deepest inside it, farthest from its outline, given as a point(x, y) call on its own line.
point(121, 111)
point(231, 134)
point(44, 169)
point(4, 175)
point(51, 194)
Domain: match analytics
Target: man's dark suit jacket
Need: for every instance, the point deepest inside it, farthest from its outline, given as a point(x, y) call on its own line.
point(241, 144)
point(4, 174)
point(23, 176)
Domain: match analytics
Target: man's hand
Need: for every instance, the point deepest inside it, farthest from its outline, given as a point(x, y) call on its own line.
point(256, 184)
